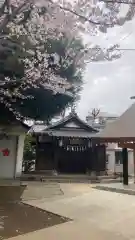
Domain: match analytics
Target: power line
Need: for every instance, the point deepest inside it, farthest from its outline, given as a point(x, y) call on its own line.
point(121, 2)
point(121, 49)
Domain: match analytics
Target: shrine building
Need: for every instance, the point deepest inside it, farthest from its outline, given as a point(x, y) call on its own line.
point(67, 147)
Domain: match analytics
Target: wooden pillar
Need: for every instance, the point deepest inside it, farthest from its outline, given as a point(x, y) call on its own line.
point(93, 159)
point(125, 166)
point(37, 155)
point(94, 163)
point(55, 159)
point(55, 155)
point(134, 163)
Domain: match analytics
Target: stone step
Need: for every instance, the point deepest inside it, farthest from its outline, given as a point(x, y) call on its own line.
point(75, 180)
point(32, 176)
point(62, 180)
point(39, 191)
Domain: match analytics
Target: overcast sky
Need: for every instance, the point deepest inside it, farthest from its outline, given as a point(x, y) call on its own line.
point(109, 85)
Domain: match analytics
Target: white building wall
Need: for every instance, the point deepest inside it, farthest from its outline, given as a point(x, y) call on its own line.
point(111, 161)
point(130, 162)
point(19, 158)
point(7, 163)
point(12, 138)
point(112, 167)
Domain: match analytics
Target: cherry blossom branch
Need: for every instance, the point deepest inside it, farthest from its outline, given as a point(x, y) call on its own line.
point(11, 15)
point(83, 17)
point(79, 15)
point(32, 32)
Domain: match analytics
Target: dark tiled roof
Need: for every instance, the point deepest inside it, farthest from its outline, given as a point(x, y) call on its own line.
point(51, 129)
point(38, 128)
point(69, 117)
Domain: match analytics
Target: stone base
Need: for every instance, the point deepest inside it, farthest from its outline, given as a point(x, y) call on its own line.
point(118, 188)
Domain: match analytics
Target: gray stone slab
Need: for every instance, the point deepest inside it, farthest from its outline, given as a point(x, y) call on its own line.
point(117, 187)
point(37, 190)
point(107, 212)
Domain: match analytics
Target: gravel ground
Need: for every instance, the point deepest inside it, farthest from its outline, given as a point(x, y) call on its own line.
point(17, 219)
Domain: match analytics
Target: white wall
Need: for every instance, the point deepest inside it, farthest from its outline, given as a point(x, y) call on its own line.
point(131, 162)
point(112, 167)
point(7, 163)
point(11, 166)
point(111, 160)
point(19, 158)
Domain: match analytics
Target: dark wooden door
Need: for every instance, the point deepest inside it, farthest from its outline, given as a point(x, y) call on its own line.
point(72, 162)
point(99, 158)
point(44, 159)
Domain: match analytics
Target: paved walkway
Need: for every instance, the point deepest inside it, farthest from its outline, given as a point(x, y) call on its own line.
point(40, 190)
point(97, 215)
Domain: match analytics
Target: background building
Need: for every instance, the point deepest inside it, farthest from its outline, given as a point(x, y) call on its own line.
point(113, 152)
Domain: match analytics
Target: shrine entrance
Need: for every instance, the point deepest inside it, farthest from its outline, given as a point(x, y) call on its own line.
point(73, 159)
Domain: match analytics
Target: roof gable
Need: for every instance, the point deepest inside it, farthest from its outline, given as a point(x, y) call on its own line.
point(72, 122)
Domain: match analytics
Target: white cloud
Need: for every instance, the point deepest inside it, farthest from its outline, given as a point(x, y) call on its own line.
point(109, 85)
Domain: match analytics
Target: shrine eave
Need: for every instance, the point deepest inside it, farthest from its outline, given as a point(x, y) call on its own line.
point(69, 134)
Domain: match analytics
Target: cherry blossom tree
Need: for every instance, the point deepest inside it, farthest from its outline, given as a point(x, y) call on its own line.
point(104, 14)
point(27, 25)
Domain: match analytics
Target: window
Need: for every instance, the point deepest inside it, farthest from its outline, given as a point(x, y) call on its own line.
point(118, 157)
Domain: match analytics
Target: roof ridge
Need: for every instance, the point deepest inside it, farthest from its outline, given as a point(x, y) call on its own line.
point(70, 116)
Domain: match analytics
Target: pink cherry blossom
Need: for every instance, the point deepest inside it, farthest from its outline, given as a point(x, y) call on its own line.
point(47, 19)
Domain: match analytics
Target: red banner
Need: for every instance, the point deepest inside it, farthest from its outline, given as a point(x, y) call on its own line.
point(5, 152)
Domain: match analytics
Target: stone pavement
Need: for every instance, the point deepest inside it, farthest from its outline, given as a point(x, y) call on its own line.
point(97, 215)
point(40, 190)
point(118, 187)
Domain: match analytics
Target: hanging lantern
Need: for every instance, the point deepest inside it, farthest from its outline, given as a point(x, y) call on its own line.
point(89, 144)
point(60, 143)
